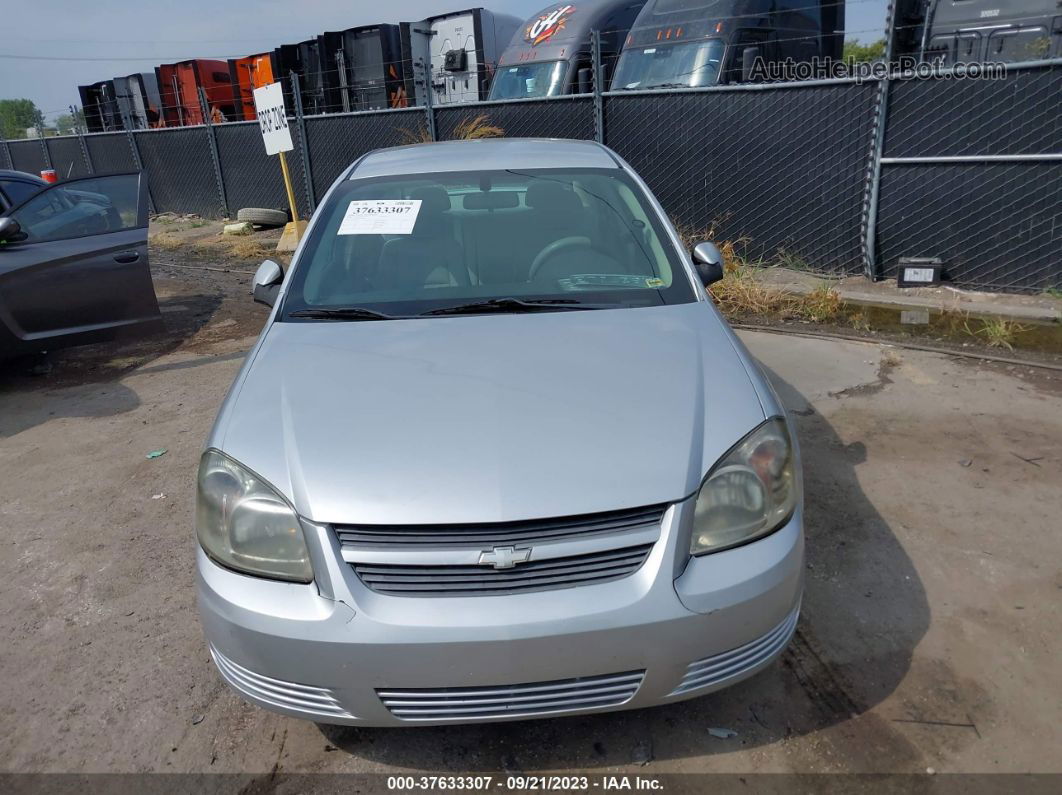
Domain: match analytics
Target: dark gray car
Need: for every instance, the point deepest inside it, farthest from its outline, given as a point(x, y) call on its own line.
point(74, 264)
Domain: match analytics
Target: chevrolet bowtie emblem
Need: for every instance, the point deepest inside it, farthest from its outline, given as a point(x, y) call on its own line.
point(504, 557)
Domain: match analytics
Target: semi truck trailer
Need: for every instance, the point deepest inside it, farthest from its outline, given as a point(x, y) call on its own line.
point(247, 74)
point(374, 70)
point(99, 103)
point(452, 57)
point(179, 85)
point(138, 97)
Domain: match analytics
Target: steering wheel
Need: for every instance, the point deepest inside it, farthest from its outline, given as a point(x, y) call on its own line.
point(553, 249)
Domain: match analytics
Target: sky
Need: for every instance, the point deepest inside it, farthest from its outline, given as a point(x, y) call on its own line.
point(49, 47)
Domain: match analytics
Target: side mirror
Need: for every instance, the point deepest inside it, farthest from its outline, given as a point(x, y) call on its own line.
point(585, 80)
point(266, 282)
point(10, 231)
point(748, 61)
point(708, 261)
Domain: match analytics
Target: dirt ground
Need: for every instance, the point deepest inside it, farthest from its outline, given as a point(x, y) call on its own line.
point(929, 637)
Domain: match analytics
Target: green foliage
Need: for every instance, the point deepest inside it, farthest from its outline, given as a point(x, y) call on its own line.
point(857, 52)
point(15, 116)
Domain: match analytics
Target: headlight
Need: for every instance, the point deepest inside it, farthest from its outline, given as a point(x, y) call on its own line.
point(749, 493)
point(244, 524)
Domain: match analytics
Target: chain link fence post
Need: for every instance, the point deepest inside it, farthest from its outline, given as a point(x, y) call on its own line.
point(40, 138)
point(429, 101)
point(304, 146)
point(134, 147)
point(7, 151)
point(213, 138)
point(80, 133)
point(127, 125)
point(599, 77)
point(871, 266)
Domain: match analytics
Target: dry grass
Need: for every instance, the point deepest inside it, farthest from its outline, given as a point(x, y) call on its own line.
point(414, 135)
point(469, 129)
point(166, 241)
point(247, 248)
point(208, 245)
point(474, 128)
point(237, 246)
point(739, 293)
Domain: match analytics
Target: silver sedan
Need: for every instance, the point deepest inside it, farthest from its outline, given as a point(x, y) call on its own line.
point(495, 455)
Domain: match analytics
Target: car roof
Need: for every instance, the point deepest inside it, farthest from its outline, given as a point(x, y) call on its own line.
point(484, 155)
point(21, 176)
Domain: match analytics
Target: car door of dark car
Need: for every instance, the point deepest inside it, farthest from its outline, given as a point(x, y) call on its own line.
point(78, 270)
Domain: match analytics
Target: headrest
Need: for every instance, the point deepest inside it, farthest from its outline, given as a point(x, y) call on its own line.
point(434, 199)
point(493, 200)
point(548, 195)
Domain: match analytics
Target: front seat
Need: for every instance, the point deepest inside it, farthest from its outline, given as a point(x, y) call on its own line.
point(559, 212)
point(430, 257)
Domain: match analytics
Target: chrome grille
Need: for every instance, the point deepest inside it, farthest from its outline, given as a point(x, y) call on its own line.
point(537, 575)
point(500, 533)
point(276, 692)
point(472, 703)
point(718, 668)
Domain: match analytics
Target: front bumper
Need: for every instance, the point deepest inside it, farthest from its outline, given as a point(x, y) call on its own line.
point(335, 652)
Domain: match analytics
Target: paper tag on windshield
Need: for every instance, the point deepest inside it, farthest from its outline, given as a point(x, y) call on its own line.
point(380, 217)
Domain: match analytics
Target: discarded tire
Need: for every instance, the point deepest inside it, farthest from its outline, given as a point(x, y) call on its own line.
point(262, 216)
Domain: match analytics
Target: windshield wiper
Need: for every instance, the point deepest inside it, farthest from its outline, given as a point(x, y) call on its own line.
point(343, 313)
point(515, 305)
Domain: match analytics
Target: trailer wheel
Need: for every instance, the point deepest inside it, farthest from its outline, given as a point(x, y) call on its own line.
point(262, 216)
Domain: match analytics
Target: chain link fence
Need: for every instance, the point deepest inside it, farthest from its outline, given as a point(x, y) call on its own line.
point(180, 170)
point(779, 172)
point(337, 140)
point(27, 156)
point(564, 117)
point(251, 177)
point(67, 157)
point(972, 174)
point(835, 176)
point(110, 153)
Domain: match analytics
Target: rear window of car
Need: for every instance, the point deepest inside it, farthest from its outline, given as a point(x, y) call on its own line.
point(402, 245)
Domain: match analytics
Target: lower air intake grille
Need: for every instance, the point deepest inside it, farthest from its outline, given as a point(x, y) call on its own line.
point(277, 693)
point(537, 575)
point(720, 667)
point(472, 703)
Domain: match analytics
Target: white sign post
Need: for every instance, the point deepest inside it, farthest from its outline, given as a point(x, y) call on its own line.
point(273, 122)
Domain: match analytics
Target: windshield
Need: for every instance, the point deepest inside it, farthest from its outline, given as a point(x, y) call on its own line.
point(544, 79)
point(690, 64)
point(417, 243)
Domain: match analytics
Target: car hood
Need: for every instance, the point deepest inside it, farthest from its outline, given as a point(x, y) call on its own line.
point(490, 418)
